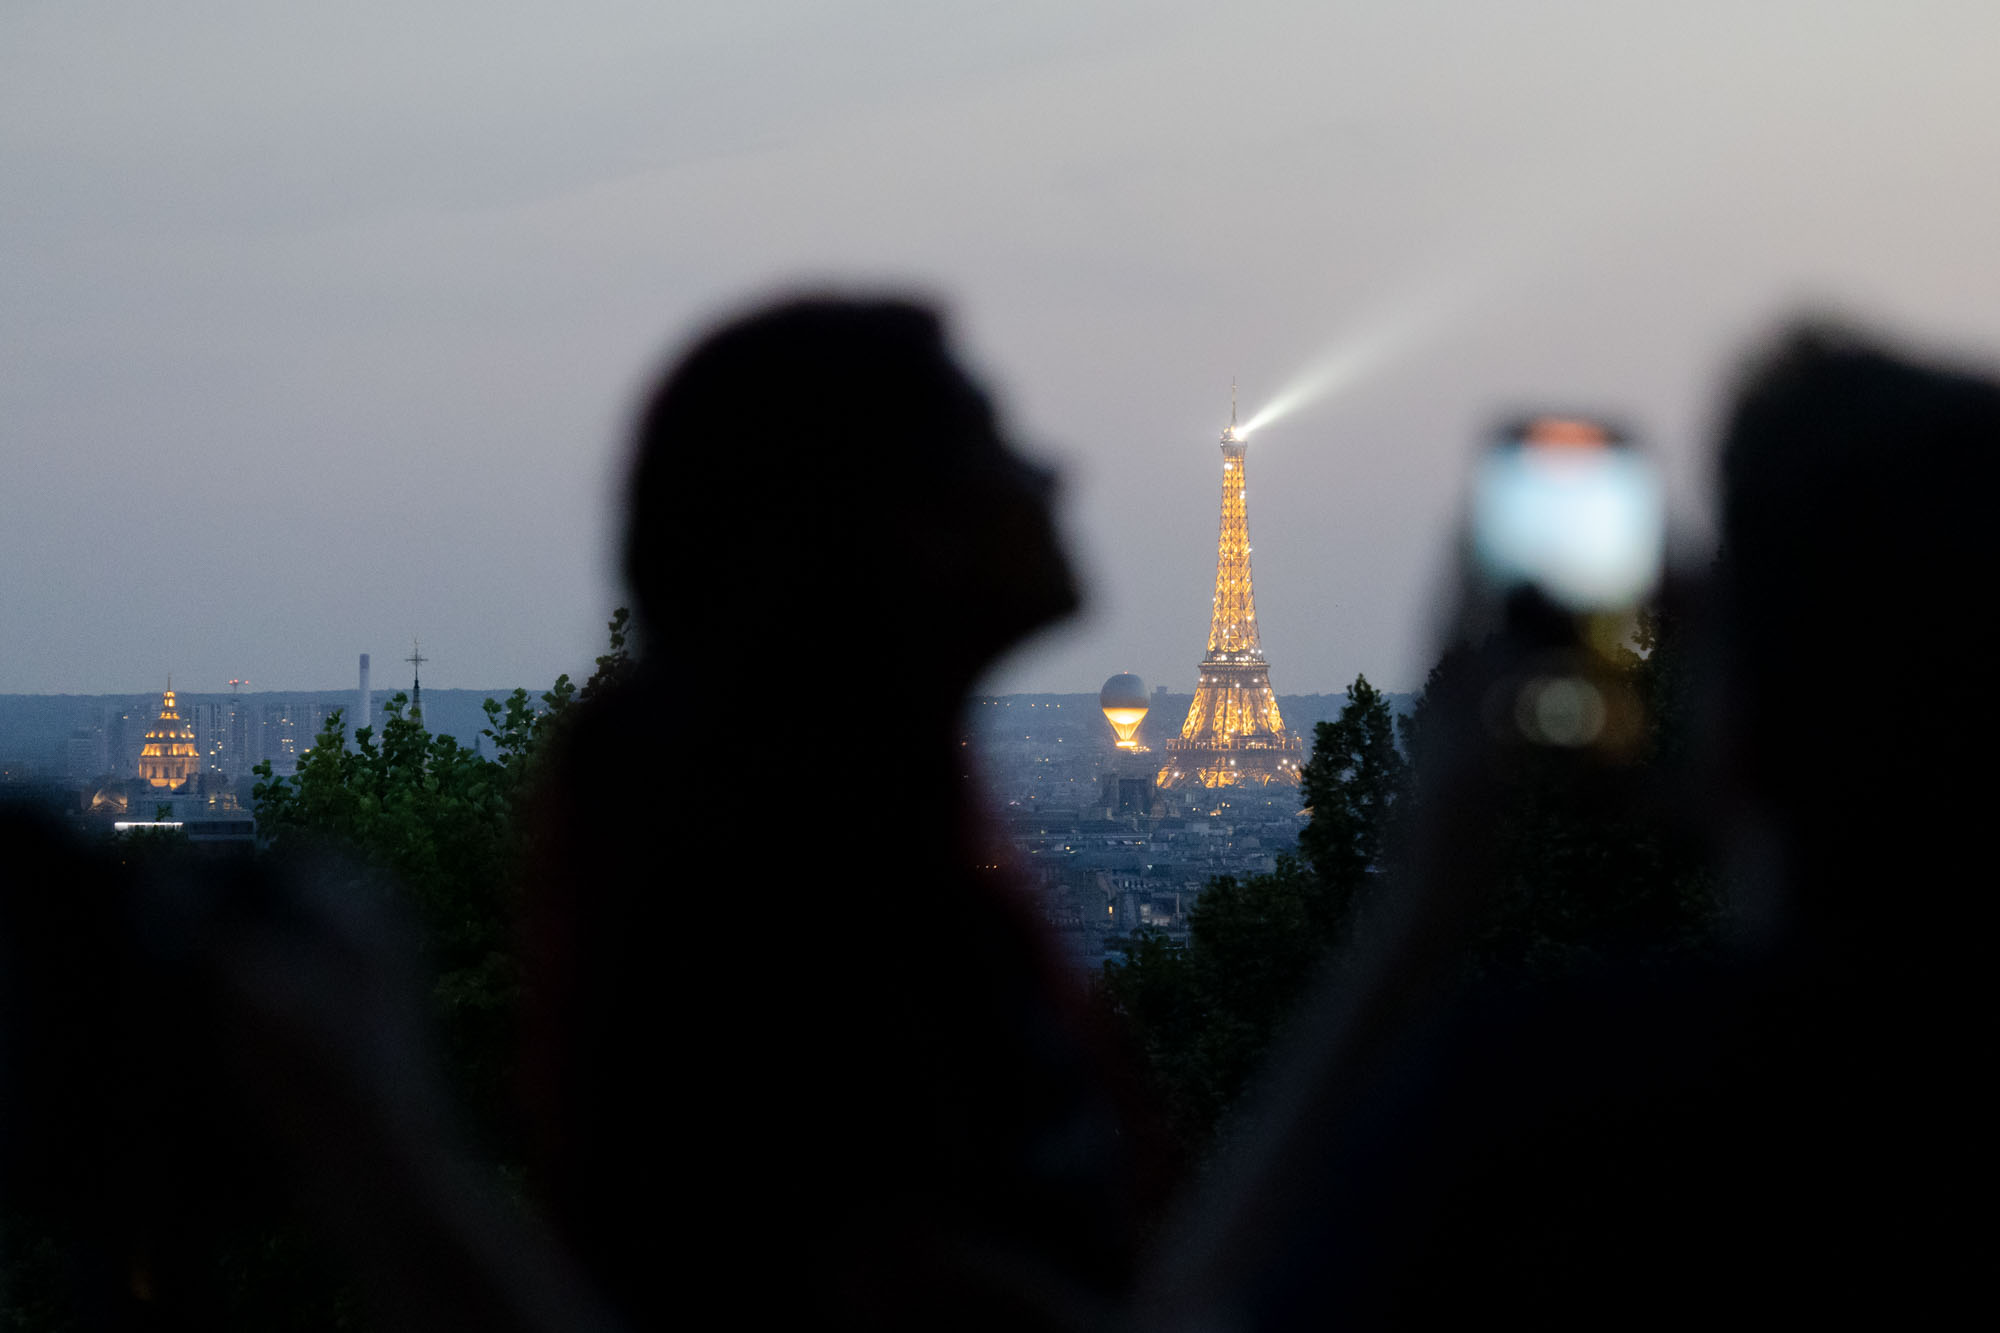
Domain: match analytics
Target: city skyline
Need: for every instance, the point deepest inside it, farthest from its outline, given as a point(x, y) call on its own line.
point(325, 329)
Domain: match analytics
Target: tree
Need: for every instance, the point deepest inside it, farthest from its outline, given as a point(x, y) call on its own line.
point(435, 827)
point(1354, 784)
point(428, 824)
point(616, 666)
point(1204, 1015)
point(412, 817)
point(1581, 866)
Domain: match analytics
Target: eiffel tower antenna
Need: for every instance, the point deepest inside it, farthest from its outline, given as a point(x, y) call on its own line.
point(1233, 735)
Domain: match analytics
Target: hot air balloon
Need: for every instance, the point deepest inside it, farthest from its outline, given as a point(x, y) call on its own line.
point(1124, 702)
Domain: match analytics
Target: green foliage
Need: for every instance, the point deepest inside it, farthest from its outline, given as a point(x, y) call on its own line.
point(1205, 1012)
point(1204, 1015)
point(35, 1286)
point(615, 666)
point(1585, 867)
point(436, 824)
point(433, 821)
point(1354, 785)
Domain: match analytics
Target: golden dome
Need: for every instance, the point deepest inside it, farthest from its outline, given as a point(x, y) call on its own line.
point(169, 757)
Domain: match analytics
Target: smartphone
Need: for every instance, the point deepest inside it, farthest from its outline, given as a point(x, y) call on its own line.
point(1569, 507)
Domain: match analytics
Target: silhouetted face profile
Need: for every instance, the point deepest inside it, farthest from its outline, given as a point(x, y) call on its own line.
point(822, 477)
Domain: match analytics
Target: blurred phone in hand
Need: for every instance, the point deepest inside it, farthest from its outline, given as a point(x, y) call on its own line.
point(1569, 508)
point(1566, 540)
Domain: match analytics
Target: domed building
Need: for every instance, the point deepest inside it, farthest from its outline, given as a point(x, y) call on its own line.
point(169, 758)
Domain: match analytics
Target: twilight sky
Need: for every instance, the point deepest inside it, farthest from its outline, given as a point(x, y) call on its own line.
point(321, 325)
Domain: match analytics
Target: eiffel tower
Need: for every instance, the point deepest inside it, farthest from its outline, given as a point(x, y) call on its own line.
point(1233, 735)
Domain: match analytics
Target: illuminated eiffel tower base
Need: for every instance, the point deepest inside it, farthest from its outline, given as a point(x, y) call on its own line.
point(1233, 735)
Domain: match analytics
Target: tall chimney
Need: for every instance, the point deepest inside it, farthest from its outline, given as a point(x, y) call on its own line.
point(363, 701)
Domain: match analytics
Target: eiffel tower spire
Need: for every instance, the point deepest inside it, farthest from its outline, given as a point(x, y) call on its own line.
point(1233, 734)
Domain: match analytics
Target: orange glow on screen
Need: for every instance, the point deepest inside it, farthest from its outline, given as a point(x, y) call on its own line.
point(1565, 433)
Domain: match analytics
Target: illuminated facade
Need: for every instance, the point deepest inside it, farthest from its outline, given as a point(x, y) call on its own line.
point(169, 757)
point(1233, 735)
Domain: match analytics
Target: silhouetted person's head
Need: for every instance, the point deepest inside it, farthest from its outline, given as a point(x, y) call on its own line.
point(1857, 494)
point(821, 476)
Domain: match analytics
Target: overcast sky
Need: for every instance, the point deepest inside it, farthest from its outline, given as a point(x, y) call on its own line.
point(321, 325)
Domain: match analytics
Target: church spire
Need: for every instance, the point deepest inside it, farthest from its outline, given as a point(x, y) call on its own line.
point(416, 659)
